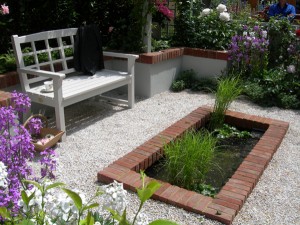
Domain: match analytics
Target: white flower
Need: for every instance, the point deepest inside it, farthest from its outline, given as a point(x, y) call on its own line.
point(252, 34)
point(3, 175)
point(224, 16)
point(97, 223)
point(264, 34)
point(205, 12)
point(245, 33)
point(115, 197)
point(221, 8)
point(291, 69)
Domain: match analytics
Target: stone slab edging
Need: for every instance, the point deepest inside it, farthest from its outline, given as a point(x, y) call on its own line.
point(227, 203)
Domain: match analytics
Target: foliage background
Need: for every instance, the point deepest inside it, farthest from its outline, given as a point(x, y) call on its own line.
point(29, 16)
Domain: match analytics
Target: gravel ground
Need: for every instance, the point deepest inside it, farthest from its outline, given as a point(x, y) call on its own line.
point(99, 133)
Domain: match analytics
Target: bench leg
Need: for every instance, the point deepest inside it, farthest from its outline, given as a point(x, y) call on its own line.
point(131, 95)
point(60, 120)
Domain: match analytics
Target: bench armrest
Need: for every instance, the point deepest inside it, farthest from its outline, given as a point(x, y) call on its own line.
point(130, 59)
point(120, 55)
point(42, 73)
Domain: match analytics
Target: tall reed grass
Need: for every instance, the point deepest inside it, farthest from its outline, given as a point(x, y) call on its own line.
point(229, 88)
point(190, 158)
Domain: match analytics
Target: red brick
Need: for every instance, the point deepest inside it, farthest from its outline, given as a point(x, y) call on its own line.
point(250, 171)
point(249, 175)
point(223, 209)
point(130, 179)
point(166, 195)
point(245, 162)
point(213, 214)
point(258, 160)
point(233, 195)
point(259, 169)
point(163, 187)
point(182, 202)
point(126, 163)
point(240, 186)
point(174, 199)
point(260, 154)
point(226, 204)
point(241, 177)
point(197, 203)
point(109, 174)
point(231, 187)
point(229, 199)
point(248, 184)
point(119, 167)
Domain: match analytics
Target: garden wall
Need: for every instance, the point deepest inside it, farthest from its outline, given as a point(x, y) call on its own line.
point(155, 71)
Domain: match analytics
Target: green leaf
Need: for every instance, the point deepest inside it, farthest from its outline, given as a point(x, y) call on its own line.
point(35, 184)
point(25, 197)
point(163, 222)
point(146, 193)
point(54, 185)
point(89, 219)
point(94, 205)
point(75, 197)
point(123, 220)
point(26, 222)
point(5, 213)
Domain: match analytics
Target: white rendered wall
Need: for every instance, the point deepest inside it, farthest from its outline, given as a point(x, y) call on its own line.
point(151, 79)
point(204, 67)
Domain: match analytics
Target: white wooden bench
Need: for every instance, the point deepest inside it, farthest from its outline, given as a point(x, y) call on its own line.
point(69, 86)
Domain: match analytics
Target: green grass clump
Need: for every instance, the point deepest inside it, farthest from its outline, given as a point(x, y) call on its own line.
point(190, 158)
point(229, 88)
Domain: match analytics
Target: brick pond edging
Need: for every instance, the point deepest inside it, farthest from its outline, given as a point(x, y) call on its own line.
point(227, 203)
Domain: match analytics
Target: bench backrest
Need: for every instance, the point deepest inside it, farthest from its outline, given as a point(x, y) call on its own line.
point(48, 50)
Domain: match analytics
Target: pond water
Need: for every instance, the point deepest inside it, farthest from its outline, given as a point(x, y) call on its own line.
point(228, 156)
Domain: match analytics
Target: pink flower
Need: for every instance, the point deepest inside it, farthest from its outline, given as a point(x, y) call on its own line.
point(110, 29)
point(4, 9)
point(163, 9)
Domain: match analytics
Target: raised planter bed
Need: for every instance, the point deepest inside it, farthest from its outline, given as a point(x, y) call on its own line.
point(225, 206)
point(155, 71)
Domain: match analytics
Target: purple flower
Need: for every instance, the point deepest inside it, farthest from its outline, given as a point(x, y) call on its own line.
point(48, 161)
point(35, 125)
point(16, 150)
point(21, 102)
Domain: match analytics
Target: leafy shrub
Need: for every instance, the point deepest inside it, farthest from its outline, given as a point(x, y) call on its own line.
point(158, 45)
point(205, 84)
point(289, 101)
point(274, 87)
point(7, 62)
point(254, 91)
point(185, 79)
point(178, 85)
point(190, 158)
point(213, 33)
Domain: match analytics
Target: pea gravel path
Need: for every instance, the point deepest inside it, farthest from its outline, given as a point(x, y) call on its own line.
point(99, 133)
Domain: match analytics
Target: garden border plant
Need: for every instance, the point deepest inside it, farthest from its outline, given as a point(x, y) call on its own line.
point(25, 199)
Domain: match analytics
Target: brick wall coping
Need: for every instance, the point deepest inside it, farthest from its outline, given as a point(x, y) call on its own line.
point(227, 203)
point(157, 57)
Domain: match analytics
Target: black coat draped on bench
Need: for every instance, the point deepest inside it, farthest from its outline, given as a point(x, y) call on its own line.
point(88, 53)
